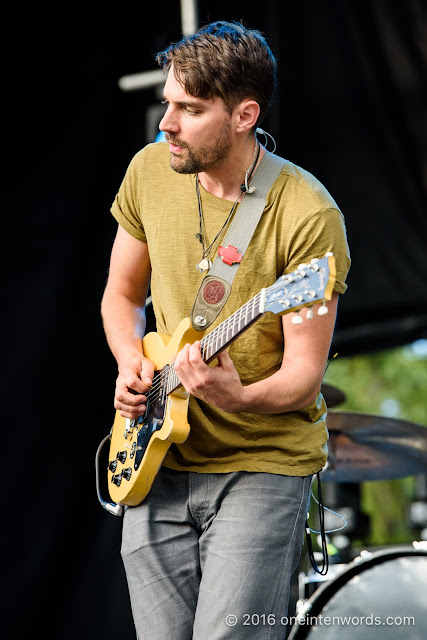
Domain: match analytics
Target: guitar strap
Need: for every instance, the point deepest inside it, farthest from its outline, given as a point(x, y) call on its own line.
point(215, 288)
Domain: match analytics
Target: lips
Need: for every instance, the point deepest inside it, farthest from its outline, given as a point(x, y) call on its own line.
point(173, 146)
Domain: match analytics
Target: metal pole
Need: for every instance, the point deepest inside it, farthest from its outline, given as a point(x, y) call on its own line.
point(189, 17)
point(147, 79)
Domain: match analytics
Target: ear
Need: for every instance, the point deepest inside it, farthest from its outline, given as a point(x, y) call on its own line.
point(247, 113)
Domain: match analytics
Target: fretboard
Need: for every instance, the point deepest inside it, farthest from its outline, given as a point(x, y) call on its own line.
point(222, 336)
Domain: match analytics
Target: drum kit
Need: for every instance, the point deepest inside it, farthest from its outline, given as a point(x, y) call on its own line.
point(378, 593)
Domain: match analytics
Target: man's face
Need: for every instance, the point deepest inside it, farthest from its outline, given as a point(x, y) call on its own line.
point(198, 131)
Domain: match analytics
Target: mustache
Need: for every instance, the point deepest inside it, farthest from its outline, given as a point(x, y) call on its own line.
point(178, 143)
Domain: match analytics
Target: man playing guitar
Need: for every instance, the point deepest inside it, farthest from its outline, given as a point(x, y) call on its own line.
point(217, 538)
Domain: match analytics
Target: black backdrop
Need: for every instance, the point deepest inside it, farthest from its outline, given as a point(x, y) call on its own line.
point(351, 108)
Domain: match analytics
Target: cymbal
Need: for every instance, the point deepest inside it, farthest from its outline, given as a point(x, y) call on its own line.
point(365, 447)
point(333, 396)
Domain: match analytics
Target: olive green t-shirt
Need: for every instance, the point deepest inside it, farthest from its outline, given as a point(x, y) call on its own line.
point(300, 222)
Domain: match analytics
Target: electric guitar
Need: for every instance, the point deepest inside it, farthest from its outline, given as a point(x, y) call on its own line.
point(139, 446)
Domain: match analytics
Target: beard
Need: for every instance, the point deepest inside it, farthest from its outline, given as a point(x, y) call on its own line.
point(203, 158)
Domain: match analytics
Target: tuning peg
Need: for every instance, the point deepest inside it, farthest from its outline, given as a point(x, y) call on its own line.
point(310, 293)
point(309, 315)
point(296, 319)
point(287, 279)
point(323, 310)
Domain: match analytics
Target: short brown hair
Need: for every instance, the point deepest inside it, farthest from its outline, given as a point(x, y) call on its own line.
point(225, 60)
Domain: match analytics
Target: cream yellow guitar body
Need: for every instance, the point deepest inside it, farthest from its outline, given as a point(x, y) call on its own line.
point(161, 350)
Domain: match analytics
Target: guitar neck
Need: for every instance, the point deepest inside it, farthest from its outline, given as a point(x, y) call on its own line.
point(224, 334)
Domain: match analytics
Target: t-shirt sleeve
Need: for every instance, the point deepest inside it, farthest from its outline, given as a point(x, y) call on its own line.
point(126, 206)
point(323, 232)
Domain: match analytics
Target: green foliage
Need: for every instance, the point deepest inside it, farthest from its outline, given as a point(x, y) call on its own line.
point(391, 383)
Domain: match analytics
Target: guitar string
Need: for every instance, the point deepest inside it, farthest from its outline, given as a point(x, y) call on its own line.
point(206, 343)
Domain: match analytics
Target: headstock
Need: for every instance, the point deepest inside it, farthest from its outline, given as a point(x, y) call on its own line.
point(309, 284)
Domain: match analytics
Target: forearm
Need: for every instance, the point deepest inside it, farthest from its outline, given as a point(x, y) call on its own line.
point(289, 389)
point(123, 316)
point(293, 387)
point(124, 325)
point(297, 383)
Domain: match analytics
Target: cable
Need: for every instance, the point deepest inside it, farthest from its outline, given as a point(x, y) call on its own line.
point(325, 562)
point(331, 360)
point(265, 134)
point(114, 509)
point(335, 514)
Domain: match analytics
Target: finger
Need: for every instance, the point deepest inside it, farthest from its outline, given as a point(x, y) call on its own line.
point(130, 399)
point(128, 411)
point(147, 372)
point(131, 382)
point(181, 359)
point(224, 360)
point(194, 355)
point(128, 380)
point(133, 414)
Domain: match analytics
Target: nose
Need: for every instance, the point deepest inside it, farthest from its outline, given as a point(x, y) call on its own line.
point(169, 121)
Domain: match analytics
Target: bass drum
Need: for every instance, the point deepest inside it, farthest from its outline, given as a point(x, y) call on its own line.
point(380, 594)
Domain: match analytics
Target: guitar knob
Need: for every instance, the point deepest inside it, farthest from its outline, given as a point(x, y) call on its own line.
point(112, 465)
point(121, 456)
point(117, 479)
point(127, 473)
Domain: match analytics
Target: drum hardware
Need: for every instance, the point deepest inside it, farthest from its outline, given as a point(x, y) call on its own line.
point(366, 447)
point(374, 588)
point(418, 514)
point(333, 396)
point(362, 447)
point(309, 581)
point(418, 508)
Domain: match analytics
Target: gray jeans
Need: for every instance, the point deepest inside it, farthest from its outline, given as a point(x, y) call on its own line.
point(210, 556)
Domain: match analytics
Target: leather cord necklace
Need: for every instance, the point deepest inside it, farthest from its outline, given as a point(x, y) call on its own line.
point(205, 263)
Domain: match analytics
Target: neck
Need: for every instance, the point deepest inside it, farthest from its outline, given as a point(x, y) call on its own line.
point(224, 181)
